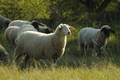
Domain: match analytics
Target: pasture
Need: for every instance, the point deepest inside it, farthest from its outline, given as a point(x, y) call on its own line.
point(71, 66)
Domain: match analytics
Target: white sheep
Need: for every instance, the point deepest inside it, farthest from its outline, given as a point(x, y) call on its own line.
point(25, 27)
point(3, 54)
point(42, 46)
point(94, 38)
point(11, 33)
point(39, 26)
point(4, 21)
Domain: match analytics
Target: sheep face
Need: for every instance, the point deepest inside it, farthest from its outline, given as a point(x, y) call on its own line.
point(107, 30)
point(65, 29)
point(4, 57)
point(44, 29)
point(41, 27)
point(3, 54)
point(7, 21)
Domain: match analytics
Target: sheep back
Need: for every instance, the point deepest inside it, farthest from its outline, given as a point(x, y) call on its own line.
point(19, 23)
point(25, 27)
point(11, 33)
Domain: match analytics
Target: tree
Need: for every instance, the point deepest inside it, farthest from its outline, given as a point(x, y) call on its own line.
point(24, 9)
point(95, 5)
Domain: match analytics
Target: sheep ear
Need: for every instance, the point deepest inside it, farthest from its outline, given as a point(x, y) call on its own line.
point(71, 28)
point(103, 29)
point(35, 24)
point(60, 26)
point(6, 53)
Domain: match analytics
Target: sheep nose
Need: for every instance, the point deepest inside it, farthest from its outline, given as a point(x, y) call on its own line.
point(69, 33)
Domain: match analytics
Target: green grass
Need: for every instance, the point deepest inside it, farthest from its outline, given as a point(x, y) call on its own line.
point(71, 66)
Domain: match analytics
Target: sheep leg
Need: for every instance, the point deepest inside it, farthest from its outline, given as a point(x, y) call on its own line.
point(17, 57)
point(53, 62)
point(26, 60)
point(17, 53)
point(98, 50)
point(84, 48)
point(99, 53)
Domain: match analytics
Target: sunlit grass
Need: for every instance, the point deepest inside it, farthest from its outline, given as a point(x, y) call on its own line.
point(104, 72)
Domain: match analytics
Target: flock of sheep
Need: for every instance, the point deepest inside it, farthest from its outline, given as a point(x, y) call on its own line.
point(37, 41)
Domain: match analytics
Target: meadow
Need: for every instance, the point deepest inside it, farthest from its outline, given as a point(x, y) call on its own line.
point(71, 66)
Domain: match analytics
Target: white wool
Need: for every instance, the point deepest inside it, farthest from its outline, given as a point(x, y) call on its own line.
point(43, 46)
point(19, 23)
point(25, 27)
point(39, 26)
point(11, 33)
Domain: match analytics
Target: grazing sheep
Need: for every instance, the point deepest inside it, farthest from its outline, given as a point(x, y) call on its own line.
point(39, 26)
point(94, 38)
point(11, 33)
point(3, 54)
point(4, 22)
point(42, 46)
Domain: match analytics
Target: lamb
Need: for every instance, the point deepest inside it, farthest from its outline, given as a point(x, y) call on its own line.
point(3, 54)
point(94, 38)
point(39, 26)
point(4, 22)
point(37, 45)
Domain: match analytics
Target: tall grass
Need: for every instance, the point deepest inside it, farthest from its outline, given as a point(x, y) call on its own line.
point(71, 66)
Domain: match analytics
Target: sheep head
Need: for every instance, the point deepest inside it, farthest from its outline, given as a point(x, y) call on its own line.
point(107, 30)
point(3, 54)
point(41, 27)
point(65, 29)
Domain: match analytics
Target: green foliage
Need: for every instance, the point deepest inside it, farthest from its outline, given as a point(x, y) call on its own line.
point(24, 9)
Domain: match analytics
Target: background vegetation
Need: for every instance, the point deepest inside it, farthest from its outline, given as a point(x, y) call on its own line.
point(72, 65)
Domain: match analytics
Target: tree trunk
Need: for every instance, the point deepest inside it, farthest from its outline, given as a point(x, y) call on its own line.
point(103, 5)
point(92, 7)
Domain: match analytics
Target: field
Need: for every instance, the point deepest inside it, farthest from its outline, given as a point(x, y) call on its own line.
point(71, 66)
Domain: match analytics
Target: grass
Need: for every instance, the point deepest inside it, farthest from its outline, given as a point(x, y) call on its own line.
point(108, 72)
point(71, 66)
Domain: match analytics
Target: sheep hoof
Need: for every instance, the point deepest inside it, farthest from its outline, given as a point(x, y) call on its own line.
point(100, 55)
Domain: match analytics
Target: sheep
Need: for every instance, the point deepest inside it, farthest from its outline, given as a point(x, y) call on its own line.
point(94, 38)
point(4, 22)
point(11, 33)
point(39, 26)
point(26, 27)
point(3, 54)
point(37, 45)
